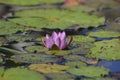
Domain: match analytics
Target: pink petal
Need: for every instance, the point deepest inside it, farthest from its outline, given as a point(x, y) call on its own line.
point(49, 43)
point(58, 42)
point(55, 36)
point(63, 36)
point(63, 44)
point(47, 36)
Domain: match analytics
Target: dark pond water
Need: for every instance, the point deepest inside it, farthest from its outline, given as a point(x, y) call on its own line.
point(113, 66)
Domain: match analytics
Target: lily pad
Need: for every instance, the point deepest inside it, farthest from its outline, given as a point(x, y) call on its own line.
point(36, 49)
point(104, 34)
point(1, 71)
point(7, 27)
point(89, 71)
point(1, 58)
point(33, 58)
point(21, 74)
point(101, 79)
point(58, 53)
point(60, 19)
point(83, 39)
point(77, 64)
point(75, 58)
point(48, 68)
point(59, 76)
point(107, 49)
point(80, 50)
point(27, 2)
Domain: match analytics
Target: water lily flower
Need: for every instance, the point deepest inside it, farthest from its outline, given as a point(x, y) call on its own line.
point(57, 41)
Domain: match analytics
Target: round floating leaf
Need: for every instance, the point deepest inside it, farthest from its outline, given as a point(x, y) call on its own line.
point(83, 39)
point(59, 76)
point(21, 74)
point(100, 79)
point(36, 49)
point(1, 59)
point(104, 34)
point(1, 71)
point(107, 49)
point(7, 27)
point(77, 64)
point(60, 19)
point(48, 68)
point(28, 2)
point(74, 58)
point(58, 52)
point(34, 58)
point(89, 71)
point(80, 50)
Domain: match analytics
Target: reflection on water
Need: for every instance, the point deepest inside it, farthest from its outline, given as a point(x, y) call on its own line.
point(113, 66)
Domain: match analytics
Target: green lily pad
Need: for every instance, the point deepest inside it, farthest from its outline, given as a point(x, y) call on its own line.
point(80, 50)
point(75, 58)
point(36, 48)
point(33, 58)
point(1, 71)
point(8, 51)
point(58, 52)
point(21, 74)
point(46, 51)
point(60, 19)
point(104, 34)
point(1, 58)
point(77, 64)
point(28, 2)
point(101, 79)
point(59, 76)
point(48, 68)
point(7, 27)
point(83, 39)
point(107, 49)
point(89, 71)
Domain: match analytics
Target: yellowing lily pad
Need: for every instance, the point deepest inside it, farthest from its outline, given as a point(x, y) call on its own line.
point(104, 34)
point(48, 68)
point(21, 74)
point(89, 71)
point(107, 49)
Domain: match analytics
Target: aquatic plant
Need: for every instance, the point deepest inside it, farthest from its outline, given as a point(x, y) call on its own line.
point(57, 41)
